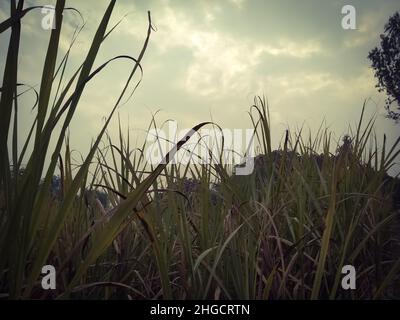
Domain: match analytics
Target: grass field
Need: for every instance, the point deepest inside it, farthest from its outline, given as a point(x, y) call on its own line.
point(283, 232)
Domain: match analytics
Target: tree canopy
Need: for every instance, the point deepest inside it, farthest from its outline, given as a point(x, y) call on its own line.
point(386, 63)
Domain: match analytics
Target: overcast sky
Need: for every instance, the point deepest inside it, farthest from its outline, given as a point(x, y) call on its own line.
point(210, 58)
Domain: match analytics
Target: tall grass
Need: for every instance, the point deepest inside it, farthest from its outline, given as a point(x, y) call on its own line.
point(30, 231)
point(283, 232)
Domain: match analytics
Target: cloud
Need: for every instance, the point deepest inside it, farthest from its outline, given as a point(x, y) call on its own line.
point(369, 24)
point(304, 83)
point(219, 63)
point(294, 49)
point(238, 3)
point(310, 84)
point(3, 15)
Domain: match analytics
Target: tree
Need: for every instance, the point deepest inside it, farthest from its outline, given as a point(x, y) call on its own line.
point(386, 63)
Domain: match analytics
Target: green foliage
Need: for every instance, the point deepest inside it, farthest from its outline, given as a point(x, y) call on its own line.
point(386, 63)
point(283, 232)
